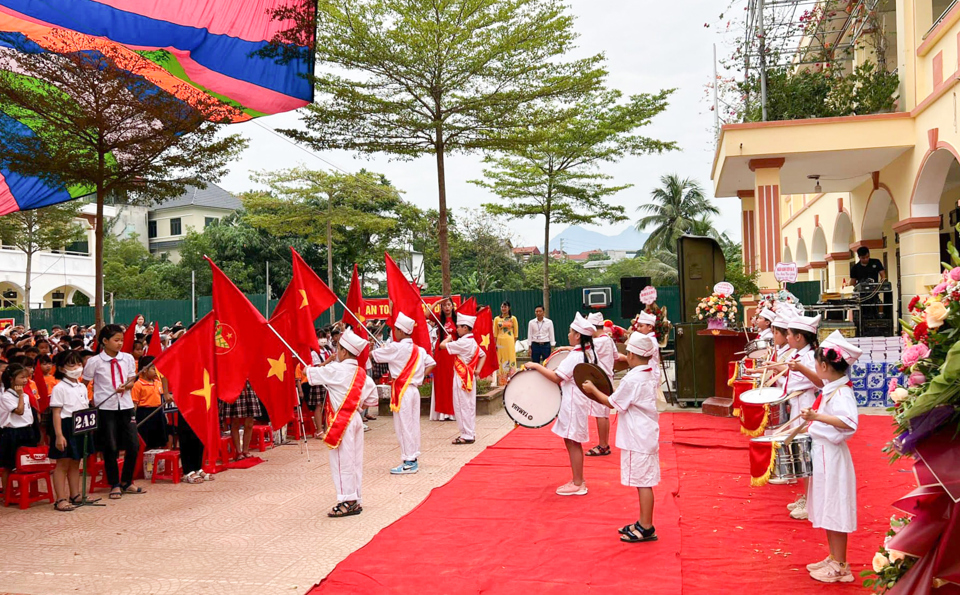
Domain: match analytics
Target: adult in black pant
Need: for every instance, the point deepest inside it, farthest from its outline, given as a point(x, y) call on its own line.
point(113, 374)
point(540, 335)
point(191, 453)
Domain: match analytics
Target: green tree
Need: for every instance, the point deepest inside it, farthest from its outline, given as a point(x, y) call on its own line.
point(564, 274)
point(556, 173)
point(426, 77)
point(132, 273)
point(482, 253)
point(676, 204)
point(104, 127)
point(30, 232)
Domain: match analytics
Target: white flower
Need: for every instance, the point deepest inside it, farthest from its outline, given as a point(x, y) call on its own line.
point(896, 556)
point(880, 562)
point(899, 395)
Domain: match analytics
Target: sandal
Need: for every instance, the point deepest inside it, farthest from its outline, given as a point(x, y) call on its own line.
point(206, 476)
point(132, 489)
point(116, 492)
point(66, 508)
point(636, 534)
point(598, 451)
point(192, 478)
point(460, 440)
point(345, 509)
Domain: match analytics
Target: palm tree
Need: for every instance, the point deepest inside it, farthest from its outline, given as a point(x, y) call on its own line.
point(675, 208)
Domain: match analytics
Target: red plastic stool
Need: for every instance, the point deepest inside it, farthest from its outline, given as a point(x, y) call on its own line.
point(293, 430)
point(27, 490)
point(98, 477)
point(171, 460)
point(227, 449)
point(261, 437)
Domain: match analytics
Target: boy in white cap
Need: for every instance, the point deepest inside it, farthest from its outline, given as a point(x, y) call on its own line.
point(779, 329)
point(764, 322)
point(638, 432)
point(409, 365)
point(469, 358)
point(607, 355)
point(832, 490)
point(646, 323)
point(349, 389)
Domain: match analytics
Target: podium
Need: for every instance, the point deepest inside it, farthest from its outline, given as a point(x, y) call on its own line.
point(726, 345)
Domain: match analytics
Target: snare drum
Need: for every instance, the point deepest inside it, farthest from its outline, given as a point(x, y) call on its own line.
point(553, 362)
point(793, 461)
point(531, 400)
point(773, 399)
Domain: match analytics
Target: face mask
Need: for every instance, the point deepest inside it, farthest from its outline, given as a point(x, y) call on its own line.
point(74, 373)
point(322, 342)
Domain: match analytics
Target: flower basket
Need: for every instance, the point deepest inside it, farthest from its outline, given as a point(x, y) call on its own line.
point(717, 307)
point(716, 324)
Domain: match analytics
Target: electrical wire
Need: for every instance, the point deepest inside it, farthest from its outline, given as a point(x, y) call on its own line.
point(299, 146)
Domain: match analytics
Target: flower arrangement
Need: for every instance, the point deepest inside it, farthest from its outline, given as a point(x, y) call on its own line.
point(774, 301)
point(888, 565)
point(717, 306)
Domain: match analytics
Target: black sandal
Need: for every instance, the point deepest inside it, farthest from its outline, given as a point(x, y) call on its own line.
point(345, 509)
point(460, 440)
point(132, 489)
point(58, 508)
point(636, 534)
point(114, 495)
point(598, 451)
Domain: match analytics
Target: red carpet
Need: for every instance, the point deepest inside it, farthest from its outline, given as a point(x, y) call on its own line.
point(498, 526)
point(246, 463)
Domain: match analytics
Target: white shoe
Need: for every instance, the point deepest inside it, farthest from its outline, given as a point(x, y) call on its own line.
point(800, 512)
point(801, 502)
point(820, 564)
point(572, 489)
point(833, 572)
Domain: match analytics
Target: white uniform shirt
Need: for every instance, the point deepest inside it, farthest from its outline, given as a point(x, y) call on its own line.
point(465, 348)
point(106, 377)
point(765, 335)
point(635, 400)
point(783, 354)
point(843, 404)
point(9, 401)
point(338, 378)
point(606, 353)
point(397, 354)
point(655, 359)
point(797, 380)
point(70, 396)
point(541, 331)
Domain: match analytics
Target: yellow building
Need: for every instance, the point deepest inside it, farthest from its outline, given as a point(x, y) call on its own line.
point(890, 181)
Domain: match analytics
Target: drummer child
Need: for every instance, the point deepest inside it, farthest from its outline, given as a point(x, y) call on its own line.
point(638, 432)
point(832, 490)
point(764, 322)
point(646, 324)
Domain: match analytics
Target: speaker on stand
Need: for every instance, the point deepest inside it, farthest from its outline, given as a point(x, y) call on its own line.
point(630, 288)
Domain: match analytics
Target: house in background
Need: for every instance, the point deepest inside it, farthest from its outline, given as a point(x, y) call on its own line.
point(169, 222)
point(524, 253)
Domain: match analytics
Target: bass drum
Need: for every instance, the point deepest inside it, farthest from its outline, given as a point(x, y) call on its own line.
point(531, 400)
point(553, 362)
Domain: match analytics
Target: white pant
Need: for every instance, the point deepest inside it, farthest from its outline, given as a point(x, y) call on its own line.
point(465, 407)
point(346, 462)
point(406, 423)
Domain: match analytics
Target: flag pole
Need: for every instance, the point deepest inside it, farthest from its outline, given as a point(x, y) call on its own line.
point(360, 322)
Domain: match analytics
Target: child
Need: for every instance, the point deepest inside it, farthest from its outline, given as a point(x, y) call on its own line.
point(606, 358)
point(147, 395)
point(638, 432)
point(348, 389)
point(16, 418)
point(468, 358)
point(316, 396)
point(832, 491)
point(137, 351)
point(764, 321)
point(68, 397)
point(242, 412)
point(646, 323)
point(113, 374)
point(573, 423)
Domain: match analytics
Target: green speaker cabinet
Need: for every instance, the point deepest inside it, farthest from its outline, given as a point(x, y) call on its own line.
point(701, 265)
point(695, 365)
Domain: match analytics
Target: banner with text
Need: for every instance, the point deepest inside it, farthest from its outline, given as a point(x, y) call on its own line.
point(379, 308)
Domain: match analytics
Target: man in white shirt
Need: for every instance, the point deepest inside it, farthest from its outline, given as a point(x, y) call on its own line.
point(409, 364)
point(541, 337)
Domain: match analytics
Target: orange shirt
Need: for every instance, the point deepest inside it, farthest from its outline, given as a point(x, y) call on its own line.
point(51, 382)
point(147, 393)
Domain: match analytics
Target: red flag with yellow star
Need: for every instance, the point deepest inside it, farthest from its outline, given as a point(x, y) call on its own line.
point(355, 303)
point(189, 367)
point(483, 333)
point(405, 298)
point(304, 300)
point(272, 374)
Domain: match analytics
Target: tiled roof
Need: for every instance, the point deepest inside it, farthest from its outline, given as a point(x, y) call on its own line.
point(212, 196)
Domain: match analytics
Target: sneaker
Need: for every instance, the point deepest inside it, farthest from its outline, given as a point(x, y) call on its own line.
point(572, 489)
point(833, 572)
point(800, 512)
point(801, 502)
point(405, 468)
point(820, 564)
point(366, 428)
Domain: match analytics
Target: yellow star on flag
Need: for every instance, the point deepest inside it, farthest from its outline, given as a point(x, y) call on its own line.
point(485, 341)
point(304, 303)
point(277, 367)
point(207, 391)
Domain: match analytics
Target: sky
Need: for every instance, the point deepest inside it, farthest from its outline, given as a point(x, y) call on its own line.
point(648, 46)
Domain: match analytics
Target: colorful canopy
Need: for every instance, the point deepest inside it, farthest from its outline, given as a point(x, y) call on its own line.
point(188, 48)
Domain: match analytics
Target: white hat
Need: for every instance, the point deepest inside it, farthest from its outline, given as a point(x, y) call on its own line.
point(642, 345)
point(595, 318)
point(582, 325)
point(783, 318)
point(353, 342)
point(466, 320)
point(847, 350)
point(404, 323)
point(805, 323)
point(768, 314)
point(647, 318)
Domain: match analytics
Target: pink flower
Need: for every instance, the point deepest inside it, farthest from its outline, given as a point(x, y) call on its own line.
point(915, 353)
point(905, 341)
point(939, 289)
point(955, 274)
point(893, 385)
point(916, 379)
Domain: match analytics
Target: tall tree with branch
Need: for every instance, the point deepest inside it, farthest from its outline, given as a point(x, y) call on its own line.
point(98, 123)
point(556, 175)
point(678, 206)
point(49, 228)
point(439, 77)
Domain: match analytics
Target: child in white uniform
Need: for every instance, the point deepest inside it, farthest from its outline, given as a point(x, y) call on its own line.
point(464, 377)
point(638, 432)
point(832, 491)
point(764, 321)
point(647, 324)
point(68, 397)
point(573, 422)
point(16, 418)
point(606, 358)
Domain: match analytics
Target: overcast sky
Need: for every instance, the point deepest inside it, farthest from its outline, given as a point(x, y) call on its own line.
point(648, 46)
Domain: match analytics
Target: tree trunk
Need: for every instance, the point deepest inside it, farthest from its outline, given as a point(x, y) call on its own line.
point(333, 311)
point(26, 290)
point(442, 220)
point(546, 253)
point(98, 253)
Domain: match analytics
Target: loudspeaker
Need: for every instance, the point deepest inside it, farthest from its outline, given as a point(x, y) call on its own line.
point(630, 288)
point(701, 265)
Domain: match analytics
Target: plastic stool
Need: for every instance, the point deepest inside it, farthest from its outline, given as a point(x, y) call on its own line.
point(98, 477)
point(261, 436)
point(171, 460)
point(28, 488)
point(293, 430)
point(227, 449)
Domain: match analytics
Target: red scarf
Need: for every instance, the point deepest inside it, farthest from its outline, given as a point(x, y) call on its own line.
point(402, 381)
point(339, 420)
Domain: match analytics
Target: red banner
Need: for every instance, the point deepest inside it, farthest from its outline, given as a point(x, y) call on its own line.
point(379, 308)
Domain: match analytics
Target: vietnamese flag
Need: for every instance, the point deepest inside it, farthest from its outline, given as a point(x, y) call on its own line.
point(405, 298)
point(41, 398)
point(130, 335)
point(304, 300)
point(153, 347)
point(272, 374)
point(189, 366)
point(356, 305)
point(483, 334)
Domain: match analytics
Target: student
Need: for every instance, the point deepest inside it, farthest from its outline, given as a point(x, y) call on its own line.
point(16, 418)
point(573, 423)
point(316, 396)
point(242, 412)
point(348, 389)
point(68, 397)
point(646, 323)
point(113, 374)
point(638, 432)
point(606, 358)
point(409, 365)
point(468, 358)
point(148, 396)
point(764, 321)
point(832, 491)
point(137, 351)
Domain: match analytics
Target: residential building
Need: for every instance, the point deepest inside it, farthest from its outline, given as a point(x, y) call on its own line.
point(169, 222)
point(585, 256)
point(813, 190)
point(524, 253)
